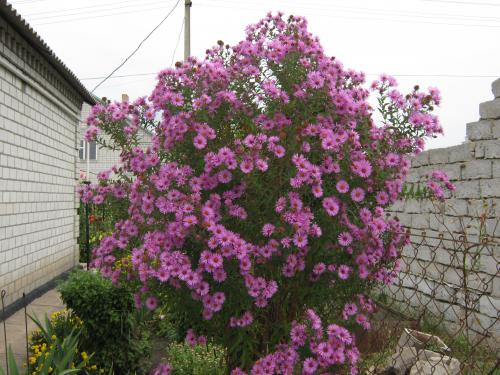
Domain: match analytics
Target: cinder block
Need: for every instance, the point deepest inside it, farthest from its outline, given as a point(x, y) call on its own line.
point(467, 189)
point(398, 206)
point(455, 207)
point(438, 156)
point(496, 168)
point(420, 221)
point(412, 206)
point(421, 159)
point(490, 207)
point(490, 265)
point(452, 170)
point(462, 152)
point(496, 287)
point(495, 88)
point(495, 129)
point(489, 306)
point(490, 188)
point(452, 275)
point(481, 129)
point(477, 169)
point(488, 149)
point(404, 218)
point(490, 110)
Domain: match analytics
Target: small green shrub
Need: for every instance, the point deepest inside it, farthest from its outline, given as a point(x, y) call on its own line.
point(198, 360)
point(113, 329)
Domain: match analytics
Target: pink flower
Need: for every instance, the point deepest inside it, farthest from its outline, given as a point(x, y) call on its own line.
point(300, 239)
point(268, 230)
point(162, 369)
point(261, 165)
point(345, 239)
point(330, 204)
point(342, 186)
point(317, 191)
point(315, 80)
point(151, 303)
point(362, 168)
point(189, 221)
point(199, 142)
point(309, 366)
point(357, 194)
point(344, 272)
point(279, 151)
point(224, 176)
point(246, 166)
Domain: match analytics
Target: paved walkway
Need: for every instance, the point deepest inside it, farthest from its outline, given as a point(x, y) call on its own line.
point(15, 325)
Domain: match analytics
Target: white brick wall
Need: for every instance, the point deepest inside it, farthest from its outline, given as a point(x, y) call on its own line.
point(37, 183)
point(432, 269)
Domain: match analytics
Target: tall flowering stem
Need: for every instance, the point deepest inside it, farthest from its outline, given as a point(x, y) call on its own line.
point(261, 199)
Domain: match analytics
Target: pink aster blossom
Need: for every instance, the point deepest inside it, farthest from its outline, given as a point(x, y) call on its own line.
point(357, 194)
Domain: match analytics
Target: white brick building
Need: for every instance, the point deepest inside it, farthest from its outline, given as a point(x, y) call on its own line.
point(40, 108)
point(100, 159)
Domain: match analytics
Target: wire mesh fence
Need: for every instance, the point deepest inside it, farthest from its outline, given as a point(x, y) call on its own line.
point(441, 316)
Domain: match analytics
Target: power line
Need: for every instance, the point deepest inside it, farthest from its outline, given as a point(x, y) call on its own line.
point(377, 11)
point(93, 11)
point(120, 76)
point(323, 14)
point(177, 43)
point(139, 46)
point(94, 17)
point(90, 7)
point(463, 2)
point(368, 74)
point(358, 10)
point(28, 2)
point(439, 75)
point(87, 7)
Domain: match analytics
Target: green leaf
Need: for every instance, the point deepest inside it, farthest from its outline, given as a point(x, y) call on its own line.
point(13, 370)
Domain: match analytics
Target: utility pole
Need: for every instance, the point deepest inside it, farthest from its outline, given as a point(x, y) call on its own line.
point(187, 28)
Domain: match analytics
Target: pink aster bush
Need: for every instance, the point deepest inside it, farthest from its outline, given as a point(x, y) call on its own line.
point(258, 212)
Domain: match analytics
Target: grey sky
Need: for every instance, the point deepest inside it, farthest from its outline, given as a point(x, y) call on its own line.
point(421, 38)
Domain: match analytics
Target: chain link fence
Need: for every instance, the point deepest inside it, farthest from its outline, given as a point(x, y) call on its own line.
point(441, 316)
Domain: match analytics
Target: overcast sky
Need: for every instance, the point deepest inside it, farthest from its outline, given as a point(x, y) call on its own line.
point(450, 44)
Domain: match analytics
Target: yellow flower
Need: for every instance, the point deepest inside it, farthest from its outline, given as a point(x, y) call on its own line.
point(93, 367)
point(50, 369)
point(53, 337)
point(85, 356)
point(32, 360)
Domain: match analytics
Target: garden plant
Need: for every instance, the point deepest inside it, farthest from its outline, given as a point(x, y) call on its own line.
point(112, 328)
point(258, 212)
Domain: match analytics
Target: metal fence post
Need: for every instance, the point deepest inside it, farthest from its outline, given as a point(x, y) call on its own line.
point(87, 229)
point(2, 296)
point(26, 328)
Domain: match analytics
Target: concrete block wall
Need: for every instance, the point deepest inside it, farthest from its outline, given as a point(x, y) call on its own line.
point(433, 275)
point(106, 158)
point(38, 226)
